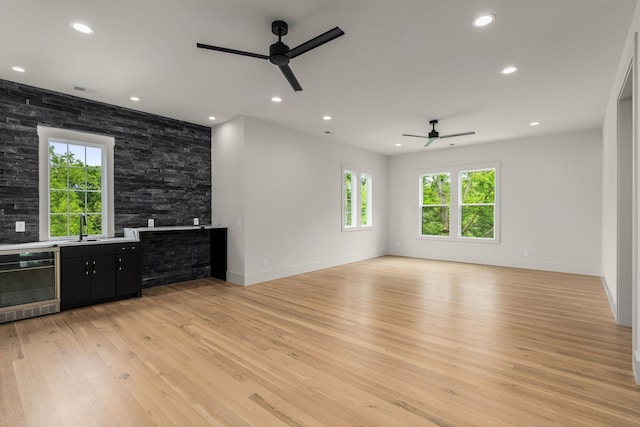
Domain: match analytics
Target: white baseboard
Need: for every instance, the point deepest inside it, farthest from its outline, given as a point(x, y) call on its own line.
point(636, 366)
point(612, 302)
point(278, 273)
point(235, 278)
point(507, 262)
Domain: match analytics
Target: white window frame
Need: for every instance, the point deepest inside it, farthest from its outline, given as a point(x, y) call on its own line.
point(107, 143)
point(455, 207)
point(356, 201)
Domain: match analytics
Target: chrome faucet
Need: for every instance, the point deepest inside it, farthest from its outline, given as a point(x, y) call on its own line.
point(83, 222)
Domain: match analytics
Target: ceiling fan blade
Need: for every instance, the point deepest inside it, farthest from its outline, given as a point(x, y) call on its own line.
point(458, 134)
point(415, 136)
point(429, 142)
point(291, 78)
point(315, 42)
point(237, 52)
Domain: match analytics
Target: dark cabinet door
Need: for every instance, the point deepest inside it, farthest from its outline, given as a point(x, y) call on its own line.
point(129, 275)
point(98, 273)
point(219, 253)
point(75, 275)
point(103, 277)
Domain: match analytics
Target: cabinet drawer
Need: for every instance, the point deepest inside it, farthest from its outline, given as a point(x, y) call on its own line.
point(127, 248)
point(86, 249)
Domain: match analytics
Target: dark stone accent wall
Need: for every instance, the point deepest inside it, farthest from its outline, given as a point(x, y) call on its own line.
point(176, 256)
point(162, 166)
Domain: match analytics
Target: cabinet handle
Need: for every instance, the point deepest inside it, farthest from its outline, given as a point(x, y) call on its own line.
point(119, 264)
point(94, 267)
point(86, 268)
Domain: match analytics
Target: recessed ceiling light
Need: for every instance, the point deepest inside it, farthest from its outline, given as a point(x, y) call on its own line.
point(276, 99)
point(134, 99)
point(509, 70)
point(211, 118)
point(327, 118)
point(18, 69)
point(398, 145)
point(82, 28)
point(534, 124)
point(484, 20)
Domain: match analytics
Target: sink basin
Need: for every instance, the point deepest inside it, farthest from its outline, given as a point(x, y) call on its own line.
point(84, 240)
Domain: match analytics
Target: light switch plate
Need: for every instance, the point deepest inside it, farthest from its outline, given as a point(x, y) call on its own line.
point(196, 221)
point(150, 223)
point(20, 227)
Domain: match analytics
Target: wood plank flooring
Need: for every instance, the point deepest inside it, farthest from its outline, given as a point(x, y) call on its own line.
point(385, 342)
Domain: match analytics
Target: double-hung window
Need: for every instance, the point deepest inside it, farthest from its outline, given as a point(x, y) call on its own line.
point(477, 204)
point(76, 184)
point(357, 198)
point(460, 203)
point(435, 205)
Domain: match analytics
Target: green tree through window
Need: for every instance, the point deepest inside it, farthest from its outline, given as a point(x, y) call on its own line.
point(459, 204)
point(349, 203)
point(365, 199)
point(436, 200)
point(357, 198)
point(477, 203)
point(75, 188)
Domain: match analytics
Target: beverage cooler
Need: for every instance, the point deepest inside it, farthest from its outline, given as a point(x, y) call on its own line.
point(29, 283)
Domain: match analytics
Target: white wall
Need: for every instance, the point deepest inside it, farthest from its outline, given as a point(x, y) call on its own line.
point(228, 191)
point(292, 201)
point(610, 188)
point(549, 203)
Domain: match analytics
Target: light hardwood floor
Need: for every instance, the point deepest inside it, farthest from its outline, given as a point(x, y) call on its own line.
point(385, 342)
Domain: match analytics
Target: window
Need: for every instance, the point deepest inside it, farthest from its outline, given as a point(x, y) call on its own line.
point(75, 188)
point(357, 193)
point(459, 204)
point(365, 199)
point(477, 203)
point(76, 185)
point(349, 192)
point(436, 204)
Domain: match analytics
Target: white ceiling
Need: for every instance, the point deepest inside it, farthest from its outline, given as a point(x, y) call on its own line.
point(400, 63)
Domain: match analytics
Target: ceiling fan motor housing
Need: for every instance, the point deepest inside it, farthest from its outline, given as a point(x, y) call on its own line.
point(278, 53)
point(434, 133)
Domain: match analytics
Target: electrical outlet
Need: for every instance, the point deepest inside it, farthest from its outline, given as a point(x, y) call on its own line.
point(525, 252)
point(150, 223)
point(397, 242)
point(264, 262)
point(196, 221)
point(20, 227)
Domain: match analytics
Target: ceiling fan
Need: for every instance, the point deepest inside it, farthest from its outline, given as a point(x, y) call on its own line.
point(279, 53)
point(434, 134)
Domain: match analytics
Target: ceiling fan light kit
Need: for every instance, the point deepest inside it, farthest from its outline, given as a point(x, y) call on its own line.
point(279, 53)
